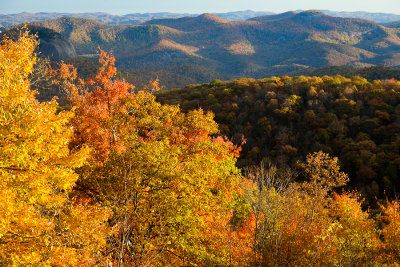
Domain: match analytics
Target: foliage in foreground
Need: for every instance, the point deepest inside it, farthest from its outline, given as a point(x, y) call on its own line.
point(123, 180)
point(163, 173)
point(39, 222)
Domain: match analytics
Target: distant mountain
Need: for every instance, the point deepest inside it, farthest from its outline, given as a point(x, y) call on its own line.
point(137, 18)
point(273, 17)
point(382, 18)
point(260, 47)
point(242, 15)
point(393, 24)
point(190, 23)
point(377, 17)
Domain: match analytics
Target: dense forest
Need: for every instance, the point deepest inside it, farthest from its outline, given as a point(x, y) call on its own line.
point(117, 177)
point(286, 118)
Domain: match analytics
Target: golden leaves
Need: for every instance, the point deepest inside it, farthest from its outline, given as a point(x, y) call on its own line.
point(36, 167)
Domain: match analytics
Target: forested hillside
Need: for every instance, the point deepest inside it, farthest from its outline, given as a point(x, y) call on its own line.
point(285, 118)
point(369, 73)
point(393, 24)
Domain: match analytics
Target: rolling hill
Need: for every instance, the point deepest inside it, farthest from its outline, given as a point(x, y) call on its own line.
point(369, 73)
point(258, 47)
point(392, 24)
point(377, 17)
point(137, 18)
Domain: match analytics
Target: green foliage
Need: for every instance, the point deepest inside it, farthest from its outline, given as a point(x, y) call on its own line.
point(286, 118)
point(216, 83)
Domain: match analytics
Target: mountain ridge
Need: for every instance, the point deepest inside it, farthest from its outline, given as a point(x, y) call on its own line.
point(137, 18)
point(253, 48)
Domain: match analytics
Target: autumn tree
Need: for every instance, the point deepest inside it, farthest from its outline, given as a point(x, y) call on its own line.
point(266, 195)
point(40, 224)
point(391, 232)
point(292, 220)
point(352, 236)
point(166, 175)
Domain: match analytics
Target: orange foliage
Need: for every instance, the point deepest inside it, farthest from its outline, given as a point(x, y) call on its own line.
point(39, 223)
point(168, 181)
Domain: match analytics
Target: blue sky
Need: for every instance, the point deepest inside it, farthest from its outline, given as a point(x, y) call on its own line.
point(194, 6)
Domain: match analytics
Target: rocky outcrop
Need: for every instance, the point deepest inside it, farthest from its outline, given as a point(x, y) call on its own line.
point(51, 44)
point(56, 48)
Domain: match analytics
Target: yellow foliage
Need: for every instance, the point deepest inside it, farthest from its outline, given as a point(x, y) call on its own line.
point(36, 171)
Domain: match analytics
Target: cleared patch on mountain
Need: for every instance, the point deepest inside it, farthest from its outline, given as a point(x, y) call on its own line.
point(243, 47)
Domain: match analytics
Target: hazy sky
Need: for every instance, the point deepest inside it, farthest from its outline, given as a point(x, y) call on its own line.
point(194, 6)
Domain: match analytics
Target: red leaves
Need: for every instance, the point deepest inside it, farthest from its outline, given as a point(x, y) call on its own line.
point(153, 86)
point(168, 161)
point(99, 104)
point(234, 150)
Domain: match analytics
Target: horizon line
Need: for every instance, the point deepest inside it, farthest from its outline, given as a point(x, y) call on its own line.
point(195, 13)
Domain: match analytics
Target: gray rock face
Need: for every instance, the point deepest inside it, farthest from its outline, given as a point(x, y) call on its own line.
point(56, 49)
point(51, 43)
